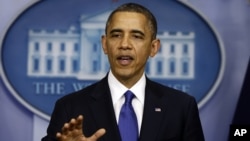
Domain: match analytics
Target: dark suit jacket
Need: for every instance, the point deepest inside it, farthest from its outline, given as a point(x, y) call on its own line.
point(178, 119)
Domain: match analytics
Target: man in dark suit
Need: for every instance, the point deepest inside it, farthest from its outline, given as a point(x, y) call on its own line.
point(93, 113)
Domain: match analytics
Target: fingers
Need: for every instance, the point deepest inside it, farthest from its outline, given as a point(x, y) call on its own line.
point(72, 125)
point(59, 136)
point(73, 129)
point(79, 122)
point(99, 133)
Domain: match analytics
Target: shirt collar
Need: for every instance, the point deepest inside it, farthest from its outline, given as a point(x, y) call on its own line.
point(117, 89)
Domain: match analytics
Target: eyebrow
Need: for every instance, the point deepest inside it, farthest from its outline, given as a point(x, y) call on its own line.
point(138, 31)
point(115, 30)
point(133, 31)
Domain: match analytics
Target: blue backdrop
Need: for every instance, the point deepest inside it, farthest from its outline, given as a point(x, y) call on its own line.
point(230, 19)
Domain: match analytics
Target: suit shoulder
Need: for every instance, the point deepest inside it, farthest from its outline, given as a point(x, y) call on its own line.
point(168, 91)
point(86, 92)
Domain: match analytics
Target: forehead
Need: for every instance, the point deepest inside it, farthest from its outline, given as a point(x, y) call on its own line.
point(128, 20)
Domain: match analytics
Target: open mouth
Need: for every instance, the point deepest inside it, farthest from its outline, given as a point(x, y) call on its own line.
point(125, 60)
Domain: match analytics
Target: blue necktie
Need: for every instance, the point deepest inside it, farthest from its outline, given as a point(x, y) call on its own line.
point(127, 120)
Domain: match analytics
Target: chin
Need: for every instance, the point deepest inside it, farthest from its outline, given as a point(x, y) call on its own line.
point(122, 73)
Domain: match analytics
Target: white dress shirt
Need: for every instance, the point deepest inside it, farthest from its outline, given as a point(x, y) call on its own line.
point(117, 93)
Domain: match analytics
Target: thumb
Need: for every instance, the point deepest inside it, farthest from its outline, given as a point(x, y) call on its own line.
point(99, 133)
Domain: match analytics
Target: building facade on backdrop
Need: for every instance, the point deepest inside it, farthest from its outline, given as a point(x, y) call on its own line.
point(77, 52)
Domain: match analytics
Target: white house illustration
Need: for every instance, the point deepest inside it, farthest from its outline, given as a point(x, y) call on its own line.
point(77, 53)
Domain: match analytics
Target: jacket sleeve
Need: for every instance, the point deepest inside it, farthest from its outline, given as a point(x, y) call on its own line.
point(58, 118)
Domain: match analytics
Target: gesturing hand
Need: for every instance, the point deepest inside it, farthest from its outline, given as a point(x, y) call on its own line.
point(72, 131)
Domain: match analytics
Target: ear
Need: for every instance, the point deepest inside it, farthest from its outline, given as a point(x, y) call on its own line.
point(104, 46)
point(155, 46)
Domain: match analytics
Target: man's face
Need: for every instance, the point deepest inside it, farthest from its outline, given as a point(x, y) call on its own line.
point(128, 44)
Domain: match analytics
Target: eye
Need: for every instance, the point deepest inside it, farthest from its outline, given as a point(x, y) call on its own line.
point(137, 36)
point(115, 35)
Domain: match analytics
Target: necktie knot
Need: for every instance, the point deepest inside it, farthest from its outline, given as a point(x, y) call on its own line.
point(129, 97)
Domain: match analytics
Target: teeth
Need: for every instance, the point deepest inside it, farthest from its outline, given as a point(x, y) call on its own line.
point(125, 58)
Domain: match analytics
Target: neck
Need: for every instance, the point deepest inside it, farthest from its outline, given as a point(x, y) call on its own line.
point(129, 82)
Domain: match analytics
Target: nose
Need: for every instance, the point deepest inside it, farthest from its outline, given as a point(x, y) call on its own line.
point(125, 43)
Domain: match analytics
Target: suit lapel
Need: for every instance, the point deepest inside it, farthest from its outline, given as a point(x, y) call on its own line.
point(102, 109)
point(153, 114)
point(103, 112)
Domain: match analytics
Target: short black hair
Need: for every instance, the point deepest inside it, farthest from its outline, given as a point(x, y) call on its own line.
point(134, 7)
